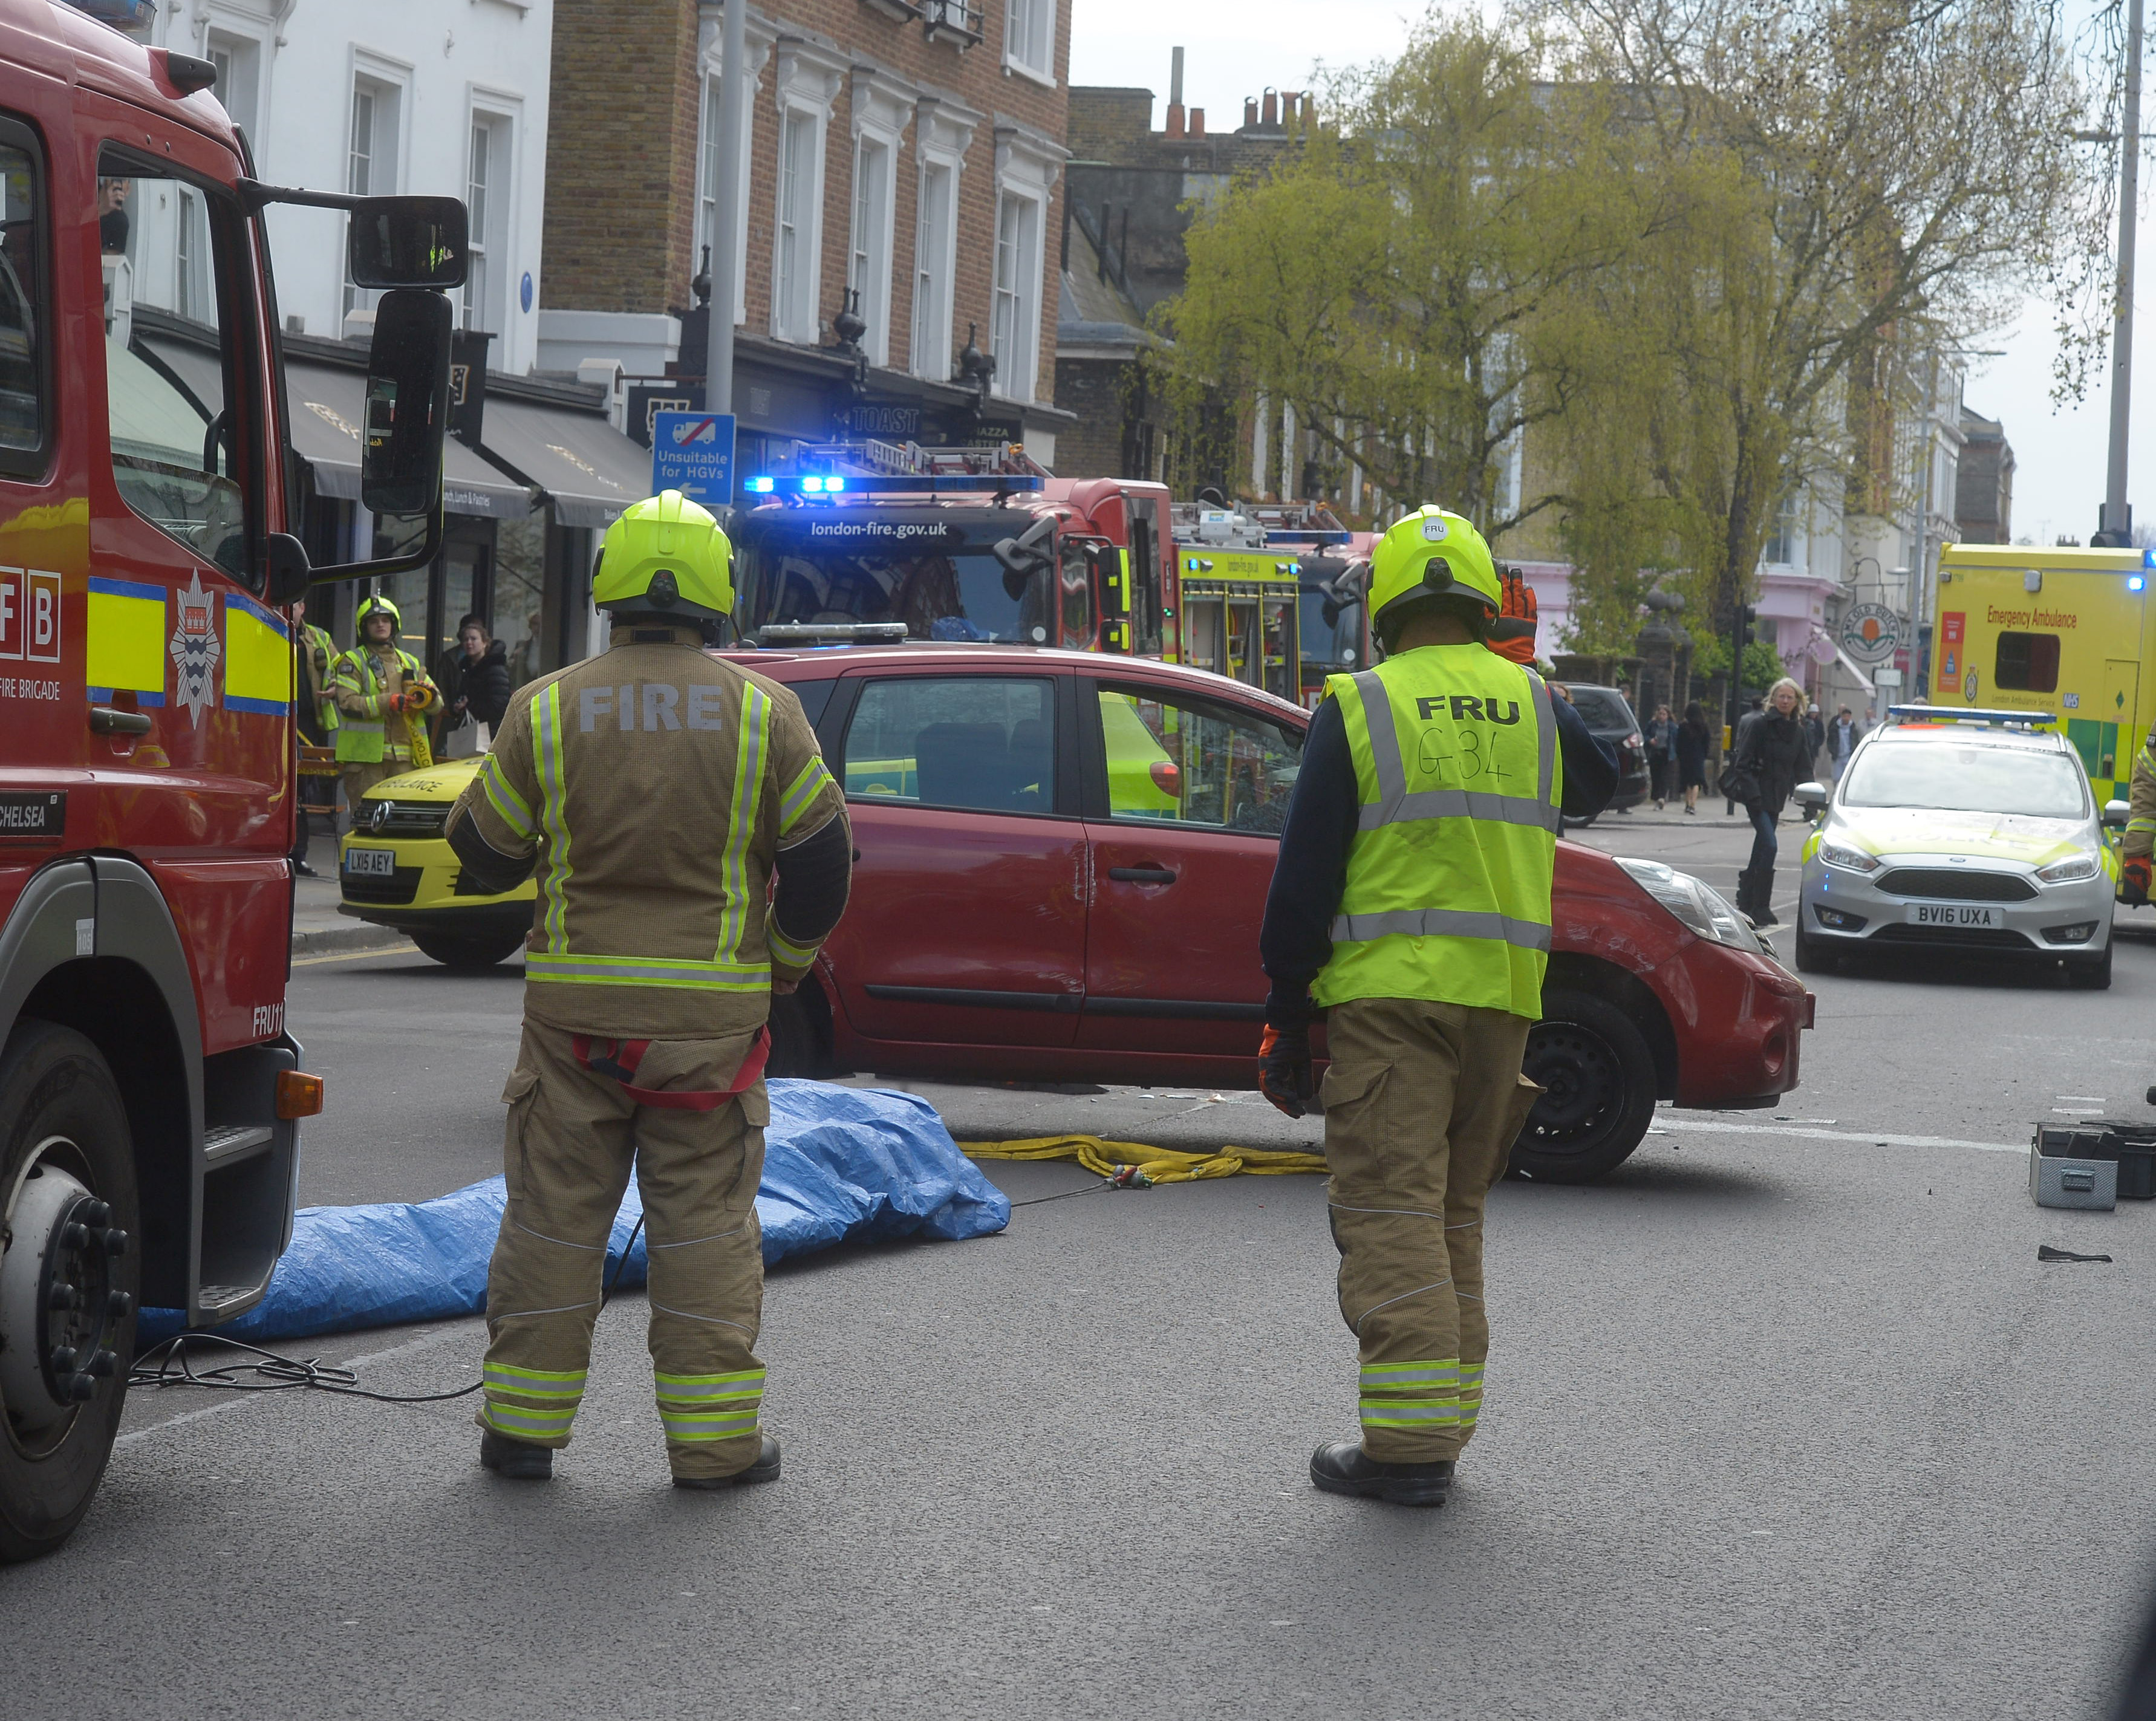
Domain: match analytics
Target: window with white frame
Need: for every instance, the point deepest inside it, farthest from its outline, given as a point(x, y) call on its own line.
point(192, 297)
point(488, 191)
point(371, 164)
point(709, 160)
point(239, 62)
point(1029, 37)
point(1016, 319)
point(868, 261)
point(933, 255)
point(795, 260)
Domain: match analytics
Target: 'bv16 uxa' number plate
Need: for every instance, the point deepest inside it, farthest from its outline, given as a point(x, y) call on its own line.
point(1952, 914)
point(370, 863)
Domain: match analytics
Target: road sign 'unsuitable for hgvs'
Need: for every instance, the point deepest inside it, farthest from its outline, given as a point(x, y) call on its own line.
point(694, 453)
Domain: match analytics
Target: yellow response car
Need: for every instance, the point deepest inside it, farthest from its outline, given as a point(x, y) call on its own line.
point(396, 869)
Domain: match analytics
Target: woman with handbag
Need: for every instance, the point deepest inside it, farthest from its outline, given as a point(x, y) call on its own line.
point(473, 674)
point(1773, 749)
point(1661, 744)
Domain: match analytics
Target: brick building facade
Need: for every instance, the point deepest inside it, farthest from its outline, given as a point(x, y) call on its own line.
point(903, 156)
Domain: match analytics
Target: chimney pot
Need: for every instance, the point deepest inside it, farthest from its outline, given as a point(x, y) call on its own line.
point(1269, 109)
point(1175, 119)
point(1249, 112)
point(1197, 122)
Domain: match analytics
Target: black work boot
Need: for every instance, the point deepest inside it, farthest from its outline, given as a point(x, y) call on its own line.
point(1744, 903)
point(1340, 1466)
point(1763, 898)
point(514, 1460)
point(765, 1469)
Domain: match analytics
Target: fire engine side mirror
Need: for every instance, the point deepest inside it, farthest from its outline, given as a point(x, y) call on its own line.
point(1112, 567)
point(286, 574)
point(408, 377)
point(409, 242)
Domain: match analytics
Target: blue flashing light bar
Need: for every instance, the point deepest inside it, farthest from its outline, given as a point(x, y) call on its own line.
point(818, 484)
point(2135, 581)
point(1970, 714)
point(2148, 556)
point(1308, 537)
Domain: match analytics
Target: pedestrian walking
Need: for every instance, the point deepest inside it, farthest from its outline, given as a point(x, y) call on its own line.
point(382, 695)
point(1768, 761)
point(474, 677)
point(1814, 738)
point(1411, 901)
point(1692, 745)
point(682, 783)
point(1752, 711)
point(1661, 748)
point(1842, 735)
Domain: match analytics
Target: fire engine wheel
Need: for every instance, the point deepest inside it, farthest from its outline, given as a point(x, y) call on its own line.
point(68, 1275)
point(469, 954)
point(1600, 1076)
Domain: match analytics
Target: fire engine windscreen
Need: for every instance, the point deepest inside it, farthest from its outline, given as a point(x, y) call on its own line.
point(2014, 781)
point(934, 571)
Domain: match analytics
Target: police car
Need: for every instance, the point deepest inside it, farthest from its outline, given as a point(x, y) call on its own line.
point(1960, 830)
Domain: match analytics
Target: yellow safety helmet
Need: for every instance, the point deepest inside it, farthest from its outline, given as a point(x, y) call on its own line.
point(1431, 553)
point(667, 555)
point(378, 605)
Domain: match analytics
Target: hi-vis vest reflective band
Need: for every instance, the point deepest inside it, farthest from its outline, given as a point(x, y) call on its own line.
point(723, 970)
point(362, 740)
point(1448, 876)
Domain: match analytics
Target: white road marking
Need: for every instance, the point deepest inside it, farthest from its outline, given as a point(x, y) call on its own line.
point(1696, 1126)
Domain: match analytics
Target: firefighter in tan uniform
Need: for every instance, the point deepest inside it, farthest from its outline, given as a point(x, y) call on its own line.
point(1412, 900)
point(375, 687)
point(2134, 852)
point(656, 789)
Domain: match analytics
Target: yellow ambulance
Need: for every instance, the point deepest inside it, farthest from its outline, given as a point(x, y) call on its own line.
point(2069, 631)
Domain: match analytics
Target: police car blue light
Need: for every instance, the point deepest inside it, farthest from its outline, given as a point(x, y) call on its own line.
point(2135, 581)
point(758, 486)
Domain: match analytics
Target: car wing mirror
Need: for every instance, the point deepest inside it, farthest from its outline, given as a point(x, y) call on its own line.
point(2116, 813)
point(1813, 798)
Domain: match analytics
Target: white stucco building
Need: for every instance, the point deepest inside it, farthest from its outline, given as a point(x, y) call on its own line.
point(446, 97)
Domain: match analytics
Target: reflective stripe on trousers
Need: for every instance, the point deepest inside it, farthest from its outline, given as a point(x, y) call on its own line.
point(709, 1406)
point(532, 1403)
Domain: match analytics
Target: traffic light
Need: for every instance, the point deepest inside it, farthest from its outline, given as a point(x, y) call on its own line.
point(1748, 627)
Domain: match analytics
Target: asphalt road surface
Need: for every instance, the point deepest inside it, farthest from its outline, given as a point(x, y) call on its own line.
point(1785, 1418)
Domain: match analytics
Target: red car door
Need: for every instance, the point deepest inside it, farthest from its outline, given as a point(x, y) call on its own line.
point(1186, 795)
point(967, 922)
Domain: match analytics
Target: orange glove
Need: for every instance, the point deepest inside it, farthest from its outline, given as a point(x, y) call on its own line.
point(1284, 1069)
point(2133, 881)
point(1512, 634)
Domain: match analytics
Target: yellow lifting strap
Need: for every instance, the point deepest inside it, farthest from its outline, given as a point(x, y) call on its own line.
point(1153, 1165)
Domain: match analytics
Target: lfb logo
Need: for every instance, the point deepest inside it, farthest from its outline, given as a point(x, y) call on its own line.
point(196, 648)
point(29, 615)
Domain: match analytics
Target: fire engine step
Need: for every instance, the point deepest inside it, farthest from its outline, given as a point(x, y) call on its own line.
point(840, 1163)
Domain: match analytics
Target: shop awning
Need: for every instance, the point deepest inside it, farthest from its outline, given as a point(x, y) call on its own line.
point(1848, 663)
point(589, 469)
point(326, 405)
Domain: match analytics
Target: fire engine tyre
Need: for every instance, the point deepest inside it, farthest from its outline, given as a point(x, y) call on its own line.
point(1601, 1075)
point(67, 1181)
point(2091, 974)
point(469, 954)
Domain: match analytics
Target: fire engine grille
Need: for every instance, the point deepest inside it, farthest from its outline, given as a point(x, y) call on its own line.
point(1955, 884)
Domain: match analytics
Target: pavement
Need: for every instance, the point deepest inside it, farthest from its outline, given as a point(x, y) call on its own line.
point(1784, 1420)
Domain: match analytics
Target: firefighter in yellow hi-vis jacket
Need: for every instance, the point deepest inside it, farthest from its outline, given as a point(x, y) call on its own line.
point(377, 688)
point(657, 790)
point(1412, 901)
point(2134, 852)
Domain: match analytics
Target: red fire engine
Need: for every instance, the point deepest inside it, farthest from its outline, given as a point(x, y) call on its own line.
point(149, 1090)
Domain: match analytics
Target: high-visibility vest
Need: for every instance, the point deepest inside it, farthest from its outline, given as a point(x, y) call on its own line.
point(360, 740)
point(313, 642)
point(1459, 783)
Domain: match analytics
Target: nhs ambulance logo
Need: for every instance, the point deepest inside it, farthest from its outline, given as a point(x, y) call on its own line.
point(196, 648)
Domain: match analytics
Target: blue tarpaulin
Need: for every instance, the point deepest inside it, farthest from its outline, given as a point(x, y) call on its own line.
point(840, 1163)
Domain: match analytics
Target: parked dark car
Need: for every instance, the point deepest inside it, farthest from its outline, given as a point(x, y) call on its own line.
point(1610, 718)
